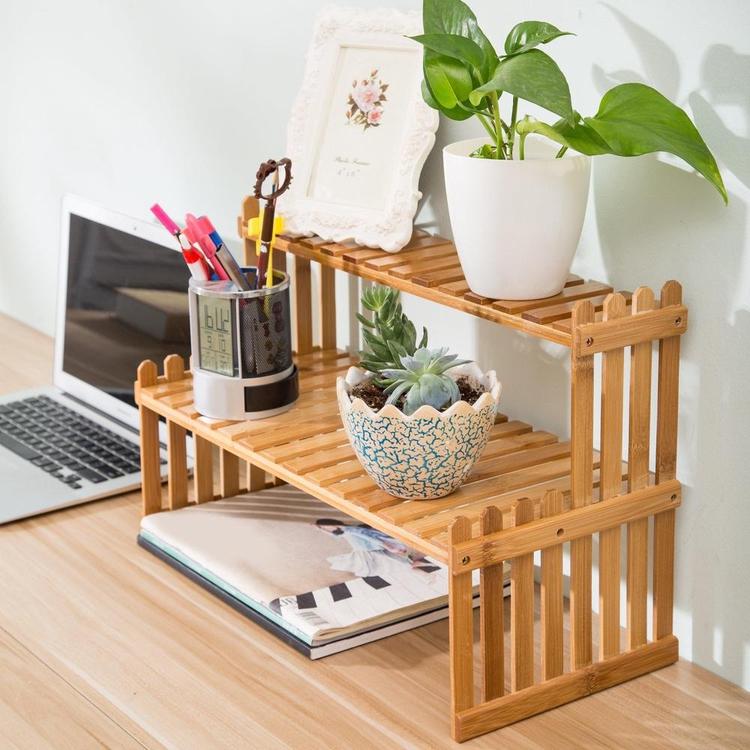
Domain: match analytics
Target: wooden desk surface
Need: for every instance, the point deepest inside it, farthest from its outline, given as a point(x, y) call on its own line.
point(102, 644)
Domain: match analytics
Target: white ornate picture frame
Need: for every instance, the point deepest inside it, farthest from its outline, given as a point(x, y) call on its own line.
point(359, 131)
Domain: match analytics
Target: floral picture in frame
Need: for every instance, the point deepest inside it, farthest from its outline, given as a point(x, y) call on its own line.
point(367, 101)
point(359, 132)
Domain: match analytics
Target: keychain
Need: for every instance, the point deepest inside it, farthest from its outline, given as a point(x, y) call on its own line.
point(273, 169)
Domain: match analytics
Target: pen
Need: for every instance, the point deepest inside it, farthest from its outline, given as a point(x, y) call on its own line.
point(195, 232)
point(193, 259)
point(225, 256)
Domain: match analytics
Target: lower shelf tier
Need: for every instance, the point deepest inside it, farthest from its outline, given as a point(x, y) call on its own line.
point(308, 448)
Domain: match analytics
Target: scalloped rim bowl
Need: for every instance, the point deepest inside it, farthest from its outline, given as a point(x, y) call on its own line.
point(424, 455)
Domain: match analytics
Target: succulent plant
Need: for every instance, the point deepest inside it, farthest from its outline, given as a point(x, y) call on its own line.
point(422, 378)
point(390, 334)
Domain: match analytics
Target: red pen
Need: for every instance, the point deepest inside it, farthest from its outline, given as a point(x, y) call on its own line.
point(193, 259)
point(196, 234)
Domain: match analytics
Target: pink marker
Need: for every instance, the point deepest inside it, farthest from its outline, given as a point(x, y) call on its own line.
point(193, 259)
point(196, 233)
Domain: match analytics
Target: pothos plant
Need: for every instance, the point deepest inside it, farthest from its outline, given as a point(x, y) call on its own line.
point(465, 77)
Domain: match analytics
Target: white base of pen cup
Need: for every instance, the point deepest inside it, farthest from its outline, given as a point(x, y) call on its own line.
point(221, 397)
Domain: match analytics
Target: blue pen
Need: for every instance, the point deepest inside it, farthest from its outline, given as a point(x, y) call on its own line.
point(226, 258)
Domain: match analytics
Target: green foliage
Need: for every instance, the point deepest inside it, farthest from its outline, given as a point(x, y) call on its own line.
point(390, 334)
point(465, 77)
point(422, 379)
point(529, 34)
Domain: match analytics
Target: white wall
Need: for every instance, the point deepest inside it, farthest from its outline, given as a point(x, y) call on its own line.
point(129, 102)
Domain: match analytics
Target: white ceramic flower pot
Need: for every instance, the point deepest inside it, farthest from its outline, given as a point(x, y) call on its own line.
point(427, 454)
point(516, 224)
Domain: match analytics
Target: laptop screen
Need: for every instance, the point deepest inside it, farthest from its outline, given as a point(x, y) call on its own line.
point(126, 302)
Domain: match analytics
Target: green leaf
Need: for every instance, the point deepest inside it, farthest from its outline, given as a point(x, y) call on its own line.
point(634, 119)
point(449, 81)
point(534, 77)
point(581, 137)
point(455, 17)
point(485, 151)
point(364, 321)
point(529, 34)
point(451, 45)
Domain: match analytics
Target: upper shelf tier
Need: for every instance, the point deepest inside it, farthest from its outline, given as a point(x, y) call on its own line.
point(428, 267)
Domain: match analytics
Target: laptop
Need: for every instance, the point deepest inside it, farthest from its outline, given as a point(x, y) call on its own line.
point(122, 298)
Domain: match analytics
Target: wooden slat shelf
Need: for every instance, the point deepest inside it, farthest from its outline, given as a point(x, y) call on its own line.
point(529, 491)
point(308, 448)
point(428, 267)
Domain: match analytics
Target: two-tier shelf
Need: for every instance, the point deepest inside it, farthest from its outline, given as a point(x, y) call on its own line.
point(529, 491)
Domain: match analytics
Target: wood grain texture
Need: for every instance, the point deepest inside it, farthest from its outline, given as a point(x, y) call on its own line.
point(568, 294)
point(203, 470)
point(378, 270)
point(461, 630)
point(639, 437)
point(149, 431)
point(670, 321)
point(78, 594)
point(666, 468)
point(39, 709)
point(582, 438)
point(565, 688)
point(491, 635)
point(551, 605)
point(522, 607)
point(573, 524)
point(302, 283)
point(229, 474)
point(614, 309)
point(327, 308)
point(255, 478)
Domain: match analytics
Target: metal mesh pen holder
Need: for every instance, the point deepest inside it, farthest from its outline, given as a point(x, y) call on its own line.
point(242, 349)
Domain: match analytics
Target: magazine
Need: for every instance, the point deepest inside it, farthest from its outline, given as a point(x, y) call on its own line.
point(301, 566)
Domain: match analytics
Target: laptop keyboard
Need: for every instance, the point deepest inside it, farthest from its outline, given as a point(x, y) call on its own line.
point(64, 443)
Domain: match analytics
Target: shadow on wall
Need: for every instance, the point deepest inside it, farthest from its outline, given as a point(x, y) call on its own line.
point(657, 221)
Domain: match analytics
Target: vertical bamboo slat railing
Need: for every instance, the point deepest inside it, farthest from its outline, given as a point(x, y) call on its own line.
point(638, 454)
point(491, 624)
point(551, 526)
point(551, 594)
point(582, 437)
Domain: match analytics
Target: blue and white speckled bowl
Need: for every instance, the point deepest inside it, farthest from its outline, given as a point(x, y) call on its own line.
point(427, 454)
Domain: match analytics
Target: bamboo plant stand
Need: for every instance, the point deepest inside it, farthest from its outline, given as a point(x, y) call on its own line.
point(530, 491)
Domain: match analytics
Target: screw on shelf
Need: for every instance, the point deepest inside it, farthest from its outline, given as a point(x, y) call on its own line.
point(465, 560)
point(589, 341)
point(678, 320)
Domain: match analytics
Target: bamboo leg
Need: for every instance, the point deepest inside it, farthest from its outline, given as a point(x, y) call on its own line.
point(229, 472)
point(204, 470)
point(149, 434)
point(638, 456)
point(522, 607)
point(552, 595)
point(327, 308)
point(491, 614)
point(303, 301)
point(666, 468)
point(461, 629)
point(174, 370)
point(256, 478)
point(279, 260)
point(582, 453)
point(611, 481)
